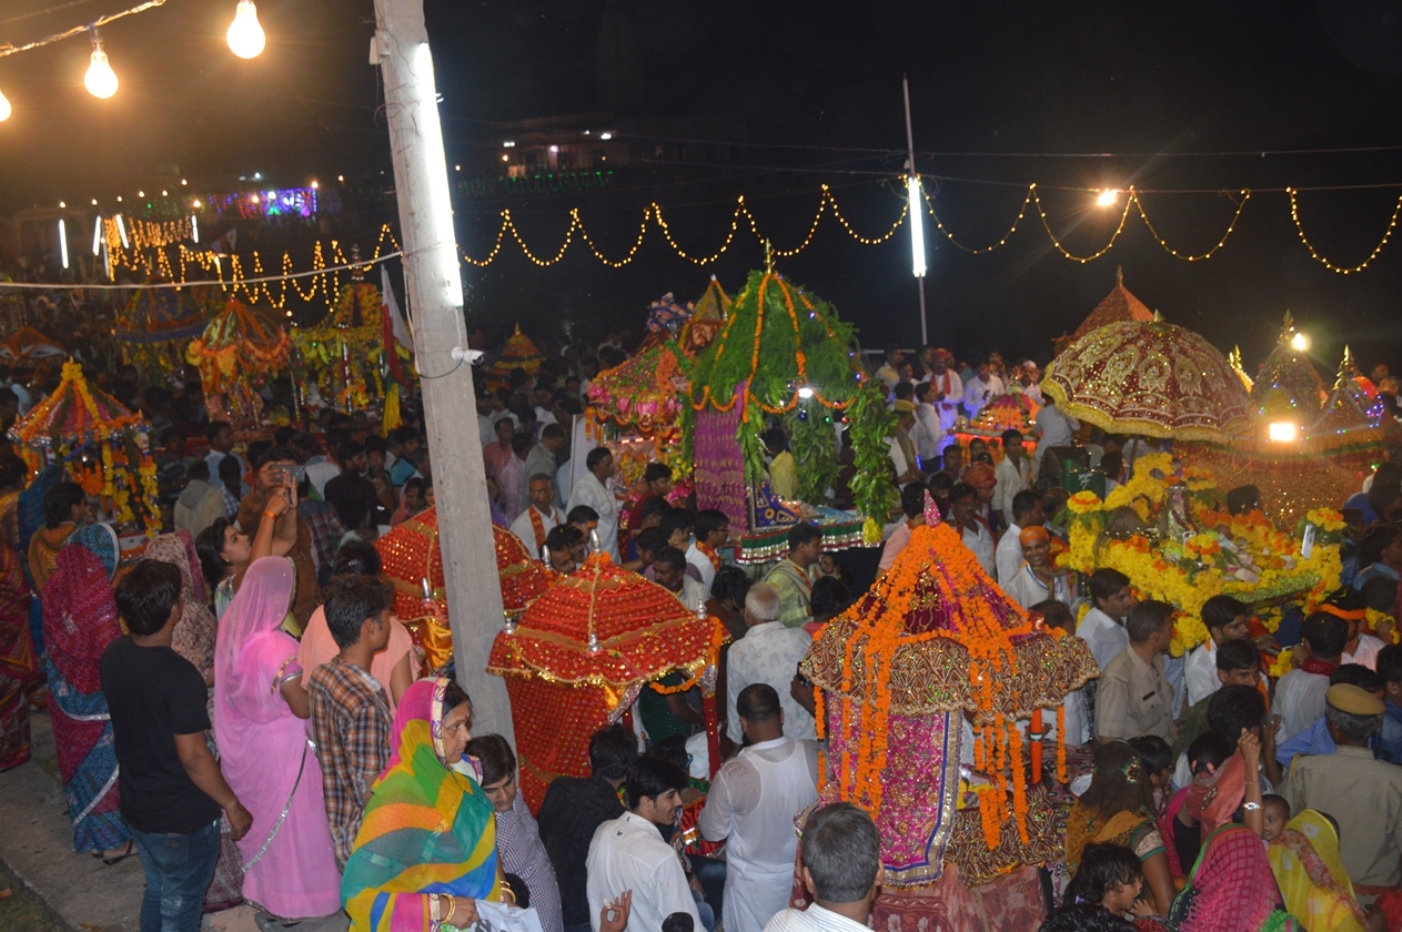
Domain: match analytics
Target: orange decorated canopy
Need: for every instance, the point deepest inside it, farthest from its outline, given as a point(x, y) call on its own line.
point(519, 352)
point(934, 641)
point(238, 343)
point(1154, 379)
point(1119, 305)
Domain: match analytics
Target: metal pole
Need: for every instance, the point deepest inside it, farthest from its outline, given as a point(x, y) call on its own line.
point(910, 167)
point(433, 282)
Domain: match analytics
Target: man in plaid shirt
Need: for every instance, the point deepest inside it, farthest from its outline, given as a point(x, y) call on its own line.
point(350, 716)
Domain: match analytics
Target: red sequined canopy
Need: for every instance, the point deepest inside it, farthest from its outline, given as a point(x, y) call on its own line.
point(411, 555)
point(639, 631)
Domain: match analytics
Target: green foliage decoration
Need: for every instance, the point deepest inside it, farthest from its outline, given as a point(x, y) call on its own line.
point(778, 339)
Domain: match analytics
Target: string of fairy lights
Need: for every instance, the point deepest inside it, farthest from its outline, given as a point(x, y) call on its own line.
point(144, 246)
point(245, 37)
point(157, 250)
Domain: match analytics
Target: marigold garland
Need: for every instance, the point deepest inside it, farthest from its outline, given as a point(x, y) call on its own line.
point(1187, 556)
point(894, 620)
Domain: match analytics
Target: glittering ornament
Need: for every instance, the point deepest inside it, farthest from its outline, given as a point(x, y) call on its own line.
point(1153, 378)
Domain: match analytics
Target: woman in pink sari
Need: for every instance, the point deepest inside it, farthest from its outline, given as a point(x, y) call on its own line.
point(259, 711)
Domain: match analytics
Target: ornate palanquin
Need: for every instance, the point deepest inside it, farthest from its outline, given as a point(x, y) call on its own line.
point(935, 642)
point(581, 655)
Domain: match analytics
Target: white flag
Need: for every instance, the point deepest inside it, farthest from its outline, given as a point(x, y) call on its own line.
point(401, 330)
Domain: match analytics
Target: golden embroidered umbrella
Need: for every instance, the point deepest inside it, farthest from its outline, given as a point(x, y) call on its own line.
point(1150, 378)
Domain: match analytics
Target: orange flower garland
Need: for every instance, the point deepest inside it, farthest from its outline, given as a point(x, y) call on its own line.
point(882, 627)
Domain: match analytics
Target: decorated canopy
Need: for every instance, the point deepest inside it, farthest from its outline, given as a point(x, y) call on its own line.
point(27, 346)
point(238, 344)
point(936, 639)
point(1153, 378)
point(1119, 305)
point(519, 353)
point(1014, 411)
point(784, 352)
point(346, 349)
point(706, 319)
point(154, 326)
point(1287, 384)
point(580, 656)
point(413, 563)
point(104, 446)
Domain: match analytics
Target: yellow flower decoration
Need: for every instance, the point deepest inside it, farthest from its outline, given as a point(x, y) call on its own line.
point(1283, 664)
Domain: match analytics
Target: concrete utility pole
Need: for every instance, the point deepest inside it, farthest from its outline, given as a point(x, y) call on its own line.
point(434, 284)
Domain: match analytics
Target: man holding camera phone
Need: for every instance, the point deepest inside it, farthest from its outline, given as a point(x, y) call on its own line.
point(279, 475)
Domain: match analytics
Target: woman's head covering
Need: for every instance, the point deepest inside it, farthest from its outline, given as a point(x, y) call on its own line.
point(1213, 797)
point(1311, 876)
point(1230, 886)
point(259, 606)
point(427, 827)
point(101, 540)
point(194, 636)
point(80, 613)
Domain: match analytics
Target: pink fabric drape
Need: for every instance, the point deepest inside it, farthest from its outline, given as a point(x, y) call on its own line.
point(265, 754)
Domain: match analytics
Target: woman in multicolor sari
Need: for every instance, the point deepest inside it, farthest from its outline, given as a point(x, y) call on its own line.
point(18, 663)
point(260, 710)
point(428, 826)
point(80, 620)
point(194, 640)
point(1311, 877)
point(1231, 888)
point(1118, 807)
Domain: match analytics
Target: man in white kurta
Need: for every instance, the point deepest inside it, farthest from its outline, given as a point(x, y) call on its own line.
point(592, 489)
point(542, 517)
point(752, 802)
point(768, 653)
point(628, 853)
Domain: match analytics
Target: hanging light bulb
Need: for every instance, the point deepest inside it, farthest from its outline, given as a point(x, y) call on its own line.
point(246, 37)
point(5, 108)
point(101, 80)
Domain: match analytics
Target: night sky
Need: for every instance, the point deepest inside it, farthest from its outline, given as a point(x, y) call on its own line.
point(1185, 96)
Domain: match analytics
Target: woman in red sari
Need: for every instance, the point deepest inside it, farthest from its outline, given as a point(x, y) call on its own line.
point(18, 664)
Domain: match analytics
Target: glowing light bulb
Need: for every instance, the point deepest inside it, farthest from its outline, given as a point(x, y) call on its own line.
point(1108, 197)
point(1283, 431)
point(5, 108)
point(101, 80)
point(805, 392)
point(1299, 343)
point(245, 35)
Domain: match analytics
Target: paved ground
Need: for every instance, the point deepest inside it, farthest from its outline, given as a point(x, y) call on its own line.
point(55, 889)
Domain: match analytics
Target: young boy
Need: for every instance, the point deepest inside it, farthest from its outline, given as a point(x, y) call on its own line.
point(1275, 811)
point(350, 714)
point(171, 788)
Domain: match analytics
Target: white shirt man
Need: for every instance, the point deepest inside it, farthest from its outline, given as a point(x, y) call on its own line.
point(928, 433)
point(948, 384)
point(1012, 478)
point(1007, 557)
point(1106, 636)
point(1366, 652)
point(768, 653)
point(752, 802)
point(980, 390)
point(1299, 701)
point(980, 541)
point(533, 534)
point(628, 853)
point(590, 490)
point(1055, 428)
point(702, 563)
point(1024, 588)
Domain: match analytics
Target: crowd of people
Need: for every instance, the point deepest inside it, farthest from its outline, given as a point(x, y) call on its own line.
point(238, 706)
